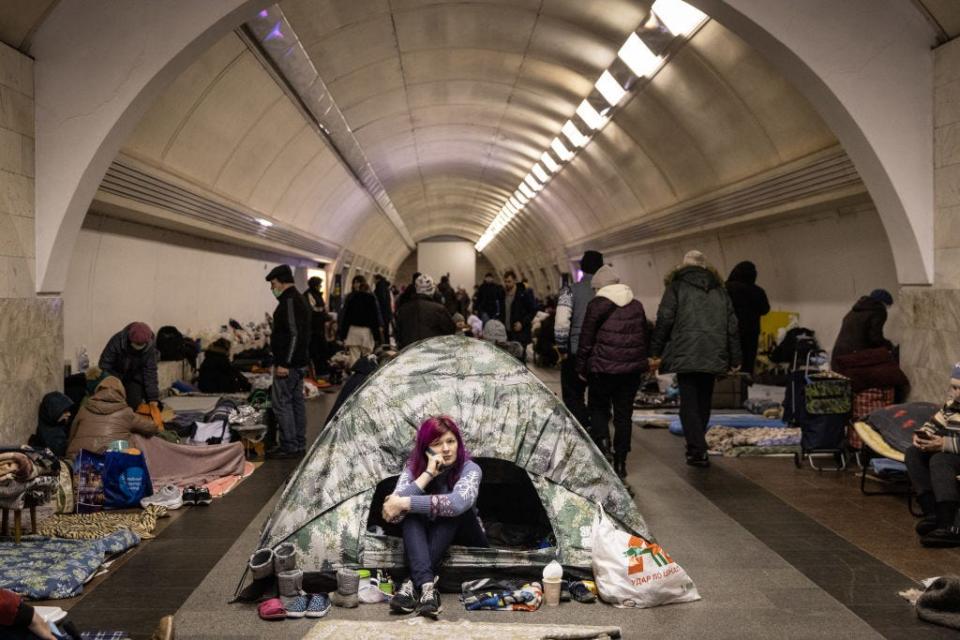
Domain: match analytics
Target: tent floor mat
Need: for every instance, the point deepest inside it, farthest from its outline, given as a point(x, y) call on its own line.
point(408, 628)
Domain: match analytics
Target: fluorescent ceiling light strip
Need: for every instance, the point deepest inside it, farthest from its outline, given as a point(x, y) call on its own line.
point(590, 116)
point(527, 191)
point(522, 198)
point(678, 16)
point(264, 222)
point(532, 182)
point(540, 173)
point(638, 57)
point(561, 150)
point(515, 203)
point(573, 134)
point(549, 162)
point(610, 89)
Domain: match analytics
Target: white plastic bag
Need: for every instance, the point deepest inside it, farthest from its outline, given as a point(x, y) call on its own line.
point(632, 572)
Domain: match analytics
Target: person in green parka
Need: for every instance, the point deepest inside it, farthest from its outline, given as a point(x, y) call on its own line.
point(697, 338)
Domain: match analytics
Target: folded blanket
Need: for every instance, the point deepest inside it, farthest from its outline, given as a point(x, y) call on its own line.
point(734, 421)
point(724, 439)
point(940, 603)
point(184, 465)
point(91, 526)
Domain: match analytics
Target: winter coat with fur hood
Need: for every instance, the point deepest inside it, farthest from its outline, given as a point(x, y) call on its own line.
point(697, 329)
point(613, 337)
point(105, 418)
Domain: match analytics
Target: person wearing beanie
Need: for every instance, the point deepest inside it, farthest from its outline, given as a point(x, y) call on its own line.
point(750, 304)
point(933, 463)
point(131, 356)
point(571, 308)
point(423, 317)
point(290, 345)
point(612, 358)
point(862, 327)
point(697, 337)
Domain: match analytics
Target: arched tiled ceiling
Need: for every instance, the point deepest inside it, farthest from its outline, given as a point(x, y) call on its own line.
point(452, 103)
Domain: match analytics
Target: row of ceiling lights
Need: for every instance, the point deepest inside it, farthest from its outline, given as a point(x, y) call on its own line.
point(673, 18)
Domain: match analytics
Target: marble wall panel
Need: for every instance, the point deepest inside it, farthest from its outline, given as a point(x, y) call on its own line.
point(31, 362)
point(929, 328)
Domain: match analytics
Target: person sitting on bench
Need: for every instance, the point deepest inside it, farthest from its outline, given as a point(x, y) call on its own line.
point(933, 463)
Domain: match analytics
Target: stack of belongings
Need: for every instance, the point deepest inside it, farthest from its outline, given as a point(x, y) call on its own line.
point(874, 376)
point(501, 595)
point(28, 477)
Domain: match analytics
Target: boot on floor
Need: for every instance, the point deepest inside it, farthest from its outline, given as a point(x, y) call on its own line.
point(620, 465)
point(928, 521)
point(947, 533)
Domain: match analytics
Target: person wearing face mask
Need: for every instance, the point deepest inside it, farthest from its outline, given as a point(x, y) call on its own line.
point(290, 344)
point(131, 356)
point(53, 423)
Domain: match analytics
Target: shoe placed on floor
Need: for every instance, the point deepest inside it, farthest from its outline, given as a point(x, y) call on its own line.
point(296, 606)
point(429, 605)
point(582, 593)
point(164, 630)
point(203, 496)
point(698, 460)
point(262, 564)
point(564, 591)
point(318, 606)
point(190, 495)
point(942, 538)
point(620, 466)
point(345, 601)
point(404, 600)
point(272, 609)
point(926, 525)
point(169, 496)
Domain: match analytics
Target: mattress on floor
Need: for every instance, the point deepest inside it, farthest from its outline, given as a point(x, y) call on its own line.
point(733, 420)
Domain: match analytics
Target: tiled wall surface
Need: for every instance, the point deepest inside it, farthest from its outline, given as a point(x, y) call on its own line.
point(31, 328)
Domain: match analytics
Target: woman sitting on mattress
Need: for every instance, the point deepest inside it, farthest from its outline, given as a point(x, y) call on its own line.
point(933, 463)
point(435, 499)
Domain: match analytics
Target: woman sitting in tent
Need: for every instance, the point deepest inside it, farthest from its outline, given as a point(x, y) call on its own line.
point(435, 499)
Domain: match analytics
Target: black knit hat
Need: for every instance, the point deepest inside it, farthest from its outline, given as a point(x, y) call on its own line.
point(283, 273)
point(591, 261)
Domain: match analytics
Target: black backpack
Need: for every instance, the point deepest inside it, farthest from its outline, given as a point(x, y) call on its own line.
point(170, 343)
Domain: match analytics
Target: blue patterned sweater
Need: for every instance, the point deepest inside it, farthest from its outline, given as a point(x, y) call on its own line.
point(439, 500)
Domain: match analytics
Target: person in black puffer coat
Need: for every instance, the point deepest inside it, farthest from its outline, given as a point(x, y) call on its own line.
point(697, 338)
point(131, 356)
point(612, 357)
point(217, 373)
point(750, 304)
point(53, 423)
point(862, 327)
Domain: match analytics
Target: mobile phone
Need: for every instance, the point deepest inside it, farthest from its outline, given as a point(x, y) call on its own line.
point(923, 435)
point(434, 453)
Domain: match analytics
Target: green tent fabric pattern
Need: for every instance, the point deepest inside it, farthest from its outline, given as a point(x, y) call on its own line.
point(504, 411)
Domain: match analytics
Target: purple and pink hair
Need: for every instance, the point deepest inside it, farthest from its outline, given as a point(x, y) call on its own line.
point(431, 429)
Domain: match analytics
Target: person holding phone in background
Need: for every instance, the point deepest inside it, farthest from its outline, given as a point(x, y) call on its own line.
point(435, 502)
point(933, 463)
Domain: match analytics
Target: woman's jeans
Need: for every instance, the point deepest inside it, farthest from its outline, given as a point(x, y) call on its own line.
point(426, 541)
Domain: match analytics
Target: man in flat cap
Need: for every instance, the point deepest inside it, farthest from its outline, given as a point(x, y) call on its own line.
point(290, 344)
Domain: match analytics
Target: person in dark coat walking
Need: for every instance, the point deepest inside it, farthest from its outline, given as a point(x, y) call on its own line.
point(612, 357)
point(697, 338)
point(381, 291)
point(318, 326)
point(408, 292)
point(862, 327)
point(290, 344)
point(359, 322)
point(518, 311)
point(488, 301)
point(448, 293)
point(750, 304)
point(423, 317)
point(131, 356)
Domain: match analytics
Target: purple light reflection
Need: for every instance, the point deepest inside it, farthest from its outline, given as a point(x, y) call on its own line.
point(263, 14)
point(275, 33)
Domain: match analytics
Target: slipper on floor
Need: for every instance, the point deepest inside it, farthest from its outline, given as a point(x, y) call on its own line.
point(272, 609)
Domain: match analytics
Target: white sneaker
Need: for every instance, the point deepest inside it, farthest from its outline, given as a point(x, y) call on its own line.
point(169, 496)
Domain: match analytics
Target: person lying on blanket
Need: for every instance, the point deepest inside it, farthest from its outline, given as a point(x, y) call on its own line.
point(435, 500)
point(933, 463)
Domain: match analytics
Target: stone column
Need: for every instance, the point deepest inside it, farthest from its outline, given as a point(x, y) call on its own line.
point(31, 327)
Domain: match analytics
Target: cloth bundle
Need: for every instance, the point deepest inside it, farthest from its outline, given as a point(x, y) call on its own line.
point(15, 466)
point(501, 595)
point(724, 439)
point(27, 473)
point(92, 526)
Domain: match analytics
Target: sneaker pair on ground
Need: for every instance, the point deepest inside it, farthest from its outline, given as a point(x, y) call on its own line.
point(197, 495)
point(406, 601)
point(315, 605)
point(168, 496)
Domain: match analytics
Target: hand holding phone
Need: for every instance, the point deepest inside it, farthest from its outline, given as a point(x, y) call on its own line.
point(434, 461)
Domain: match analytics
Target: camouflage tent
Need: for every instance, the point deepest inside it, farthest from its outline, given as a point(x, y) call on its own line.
point(506, 414)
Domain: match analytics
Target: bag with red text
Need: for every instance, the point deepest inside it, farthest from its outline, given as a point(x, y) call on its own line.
point(633, 572)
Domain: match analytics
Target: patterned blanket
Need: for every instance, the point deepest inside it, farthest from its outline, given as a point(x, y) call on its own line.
point(50, 568)
point(501, 595)
point(92, 526)
point(726, 439)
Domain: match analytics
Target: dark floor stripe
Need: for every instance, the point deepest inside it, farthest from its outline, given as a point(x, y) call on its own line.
point(859, 581)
